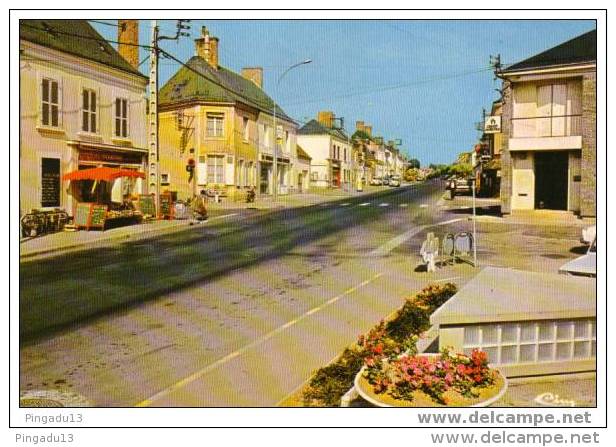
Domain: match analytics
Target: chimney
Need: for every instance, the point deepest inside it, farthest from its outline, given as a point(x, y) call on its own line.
point(254, 74)
point(326, 118)
point(359, 125)
point(202, 45)
point(214, 52)
point(128, 33)
point(368, 130)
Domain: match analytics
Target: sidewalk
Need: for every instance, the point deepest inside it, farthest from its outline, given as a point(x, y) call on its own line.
point(66, 241)
point(488, 209)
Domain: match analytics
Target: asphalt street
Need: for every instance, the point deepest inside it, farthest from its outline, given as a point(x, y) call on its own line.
point(234, 313)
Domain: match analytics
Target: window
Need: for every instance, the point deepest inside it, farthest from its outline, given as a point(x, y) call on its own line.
point(215, 169)
point(50, 103)
point(534, 342)
point(50, 182)
point(121, 117)
point(164, 179)
point(314, 176)
point(88, 123)
point(214, 124)
point(547, 110)
point(345, 154)
point(241, 178)
point(245, 128)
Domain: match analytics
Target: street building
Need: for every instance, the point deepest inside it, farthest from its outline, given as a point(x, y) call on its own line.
point(330, 150)
point(488, 153)
point(549, 130)
point(303, 169)
point(82, 105)
point(216, 130)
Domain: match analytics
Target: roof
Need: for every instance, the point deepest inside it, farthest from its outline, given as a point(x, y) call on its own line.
point(197, 80)
point(301, 153)
point(581, 49)
point(74, 37)
point(313, 127)
point(501, 294)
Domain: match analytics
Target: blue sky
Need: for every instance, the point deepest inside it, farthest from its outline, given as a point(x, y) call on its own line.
point(421, 81)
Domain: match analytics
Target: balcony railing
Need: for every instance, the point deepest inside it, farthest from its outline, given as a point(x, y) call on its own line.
point(549, 126)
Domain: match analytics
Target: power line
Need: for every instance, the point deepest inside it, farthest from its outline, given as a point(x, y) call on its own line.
point(105, 23)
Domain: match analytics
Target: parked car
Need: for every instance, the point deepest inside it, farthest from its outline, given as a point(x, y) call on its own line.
point(386, 180)
point(584, 265)
point(376, 181)
point(394, 180)
point(459, 185)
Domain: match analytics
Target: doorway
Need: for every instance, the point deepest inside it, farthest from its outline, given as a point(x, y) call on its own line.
point(551, 180)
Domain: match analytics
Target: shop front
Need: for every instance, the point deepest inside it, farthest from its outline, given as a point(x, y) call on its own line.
point(266, 174)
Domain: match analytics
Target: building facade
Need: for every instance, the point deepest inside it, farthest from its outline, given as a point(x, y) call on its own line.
point(330, 150)
point(216, 130)
point(82, 105)
point(549, 130)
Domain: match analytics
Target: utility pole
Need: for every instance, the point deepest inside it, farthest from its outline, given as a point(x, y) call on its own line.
point(153, 152)
point(153, 171)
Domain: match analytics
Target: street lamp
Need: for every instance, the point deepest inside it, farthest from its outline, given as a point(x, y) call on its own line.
point(275, 166)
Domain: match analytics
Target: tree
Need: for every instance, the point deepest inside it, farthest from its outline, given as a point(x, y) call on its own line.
point(414, 163)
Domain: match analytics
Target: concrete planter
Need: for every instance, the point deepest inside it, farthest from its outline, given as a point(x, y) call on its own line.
point(364, 389)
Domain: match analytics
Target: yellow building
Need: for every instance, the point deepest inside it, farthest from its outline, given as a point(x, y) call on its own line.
point(82, 105)
point(221, 124)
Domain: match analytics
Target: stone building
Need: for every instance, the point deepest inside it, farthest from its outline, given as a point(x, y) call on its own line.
point(82, 105)
point(222, 123)
point(549, 131)
point(330, 150)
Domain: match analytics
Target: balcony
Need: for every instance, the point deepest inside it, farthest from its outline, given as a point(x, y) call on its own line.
point(546, 133)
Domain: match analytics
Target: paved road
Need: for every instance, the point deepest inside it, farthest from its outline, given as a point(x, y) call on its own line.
point(236, 313)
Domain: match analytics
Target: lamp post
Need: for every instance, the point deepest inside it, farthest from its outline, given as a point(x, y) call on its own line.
point(275, 155)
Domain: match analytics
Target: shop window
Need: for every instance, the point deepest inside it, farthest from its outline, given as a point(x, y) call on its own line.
point(215, 123)
point(164, 179)
point(88, 123)
point(50, 103)
point(121, 117)
point(215, 169)
point(50, 182)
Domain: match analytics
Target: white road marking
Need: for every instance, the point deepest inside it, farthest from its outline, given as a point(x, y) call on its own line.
point(191, 378)
point(384, 204)
point(364, 204)
point(345, 204)
point(423, 205)
point(404, 205)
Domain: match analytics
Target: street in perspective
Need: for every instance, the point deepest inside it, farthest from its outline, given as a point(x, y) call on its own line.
point(323, 213)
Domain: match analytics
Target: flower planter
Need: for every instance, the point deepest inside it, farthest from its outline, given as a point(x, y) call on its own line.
point(485, 396)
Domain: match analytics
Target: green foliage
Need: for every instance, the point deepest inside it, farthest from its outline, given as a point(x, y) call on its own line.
point(361, 135)
point(398, 335)
point(414, 163)
point(412, 175)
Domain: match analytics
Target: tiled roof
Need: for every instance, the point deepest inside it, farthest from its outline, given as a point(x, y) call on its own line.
point(313, 127)
point(301, 153)
point(581, 49)
point(75, 37)
point(198, 81)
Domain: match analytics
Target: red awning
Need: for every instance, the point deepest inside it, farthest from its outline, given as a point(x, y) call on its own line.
point(102, 173)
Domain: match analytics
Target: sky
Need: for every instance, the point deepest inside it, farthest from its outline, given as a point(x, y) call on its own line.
point(424, 82)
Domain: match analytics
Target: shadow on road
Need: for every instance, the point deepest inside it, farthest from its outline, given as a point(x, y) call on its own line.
point(73, 289)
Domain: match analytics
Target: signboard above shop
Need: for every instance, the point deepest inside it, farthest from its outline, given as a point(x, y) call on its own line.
point(492, 124)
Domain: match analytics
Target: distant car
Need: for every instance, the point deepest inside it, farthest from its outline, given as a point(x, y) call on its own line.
point(589, 234)
point(459, 185)
point(394, 180)
point(386, 180)
point(584, 265)
point(376, 181)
